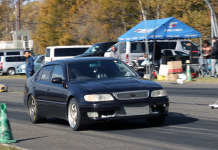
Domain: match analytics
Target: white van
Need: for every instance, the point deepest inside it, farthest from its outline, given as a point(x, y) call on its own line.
point(130, 51)
point(8, 64)
point(63, 52)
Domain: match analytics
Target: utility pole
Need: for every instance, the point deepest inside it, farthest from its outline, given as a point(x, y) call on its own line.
point(158, 11)
point(214, 28)
point(148, 67)
point(18, 15)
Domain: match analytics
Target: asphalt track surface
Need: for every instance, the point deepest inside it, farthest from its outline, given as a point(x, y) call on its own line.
point(191, 124)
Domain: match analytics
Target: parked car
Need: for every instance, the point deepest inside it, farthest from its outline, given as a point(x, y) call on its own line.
point(97, 49)
point(8, 64)
point(130, 51)
point(83, 90)
point(38, 62)
point(64, 52)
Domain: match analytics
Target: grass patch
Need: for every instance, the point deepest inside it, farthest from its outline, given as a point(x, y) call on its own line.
point(13, 77)
point(8, 147)
point(206, 79)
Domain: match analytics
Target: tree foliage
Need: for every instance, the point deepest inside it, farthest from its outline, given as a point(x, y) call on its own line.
point(71, 22)
point(5, 19)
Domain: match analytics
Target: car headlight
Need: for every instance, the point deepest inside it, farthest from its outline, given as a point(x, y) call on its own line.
point(98, 97)
point(158, 93)
point(23, 66)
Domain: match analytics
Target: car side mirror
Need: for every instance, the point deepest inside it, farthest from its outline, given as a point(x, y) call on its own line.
point(57, 80)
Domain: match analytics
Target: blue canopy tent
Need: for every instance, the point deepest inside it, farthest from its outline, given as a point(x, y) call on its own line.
point(160, 29)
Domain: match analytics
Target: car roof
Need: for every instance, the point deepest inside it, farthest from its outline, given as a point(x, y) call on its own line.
point(9, 50)
point(179, 40)
point(105, 43)
point(80, 59)
point(73, 46)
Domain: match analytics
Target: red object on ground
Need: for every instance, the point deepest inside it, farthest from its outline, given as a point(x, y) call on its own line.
point(154, 74)
point(194, 75)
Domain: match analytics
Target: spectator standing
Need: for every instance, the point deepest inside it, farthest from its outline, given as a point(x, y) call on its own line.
point(143, 61)
point(214, 57)
point(114, 53)
point(29, 64)
point(206, 49)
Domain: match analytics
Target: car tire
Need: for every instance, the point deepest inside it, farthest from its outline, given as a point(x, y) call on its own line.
point(155, 121)
point(33, 111)
point(11, 71)
point(1, 73)
point(74, 117)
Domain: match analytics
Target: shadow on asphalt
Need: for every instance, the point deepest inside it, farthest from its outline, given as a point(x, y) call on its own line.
point(31, 139)
point(172, 119)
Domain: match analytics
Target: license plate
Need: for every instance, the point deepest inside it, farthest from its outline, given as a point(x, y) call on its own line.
point(133, 110)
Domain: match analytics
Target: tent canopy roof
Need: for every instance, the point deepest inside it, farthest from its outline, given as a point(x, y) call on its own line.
point(167, 28)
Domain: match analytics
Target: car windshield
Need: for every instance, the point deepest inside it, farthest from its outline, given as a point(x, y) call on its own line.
point(35, 57)
point(92, 49)
point(99, 70)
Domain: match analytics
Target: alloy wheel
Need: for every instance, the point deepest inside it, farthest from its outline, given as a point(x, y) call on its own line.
point(72, 115)
point(32, 109)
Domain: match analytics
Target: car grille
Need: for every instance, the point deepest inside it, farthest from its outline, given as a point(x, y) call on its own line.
point(129, 95)
point(133, 109)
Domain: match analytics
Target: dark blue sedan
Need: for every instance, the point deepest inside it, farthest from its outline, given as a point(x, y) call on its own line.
point(90, 89)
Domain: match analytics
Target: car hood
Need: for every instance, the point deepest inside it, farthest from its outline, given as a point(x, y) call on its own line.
point(118, 85)
point(22, 65)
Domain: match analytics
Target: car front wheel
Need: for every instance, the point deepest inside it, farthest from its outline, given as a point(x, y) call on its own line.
point(74, 117)
point(11, 71)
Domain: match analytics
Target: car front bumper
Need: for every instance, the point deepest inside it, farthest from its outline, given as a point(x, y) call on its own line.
point(124, 110)
point(20, 71)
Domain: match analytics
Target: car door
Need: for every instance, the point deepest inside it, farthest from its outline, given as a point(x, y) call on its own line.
point(41, 89)
point(57, 93)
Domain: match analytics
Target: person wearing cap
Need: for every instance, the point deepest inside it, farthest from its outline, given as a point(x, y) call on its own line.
point(29, 64)
point(214, 57)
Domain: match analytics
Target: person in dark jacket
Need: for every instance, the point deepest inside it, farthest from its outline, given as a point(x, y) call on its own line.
point(29, 64)
point(214, 57)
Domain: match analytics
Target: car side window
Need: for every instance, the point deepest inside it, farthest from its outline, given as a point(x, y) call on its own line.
point(44, 74)
point(13, 53)
point(40, 59)
point(138, 47)
point(58, 72)
point(122, 47)
point(188, 47)
point(47, 52)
